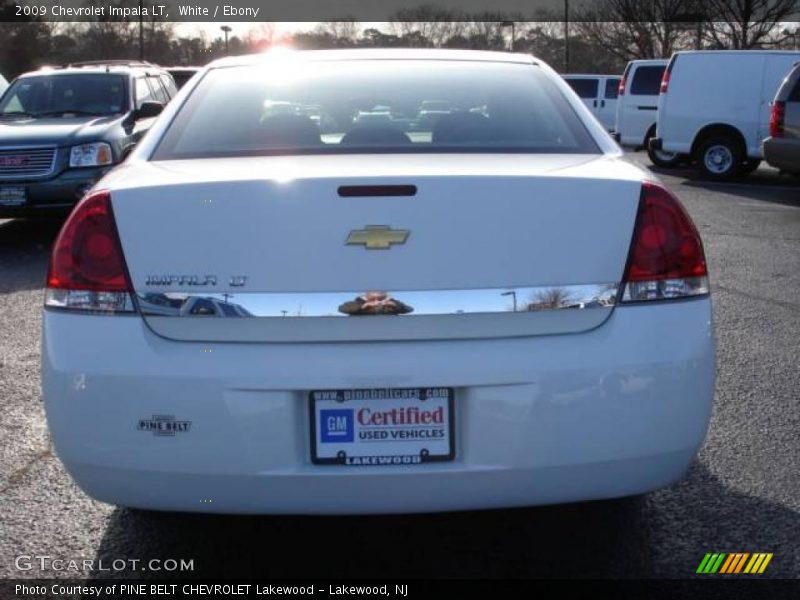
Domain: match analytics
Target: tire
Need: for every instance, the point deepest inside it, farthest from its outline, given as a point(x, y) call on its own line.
point(720, 157)
point(663, 159)
point(750, 165)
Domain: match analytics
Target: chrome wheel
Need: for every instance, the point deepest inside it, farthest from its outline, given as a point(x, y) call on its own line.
point(718, 159)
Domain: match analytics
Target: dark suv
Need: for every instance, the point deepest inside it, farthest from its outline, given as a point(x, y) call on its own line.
point(62, 129)
point(782, 147)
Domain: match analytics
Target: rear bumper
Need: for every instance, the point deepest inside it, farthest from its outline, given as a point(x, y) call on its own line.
point(52, 196)
point(435, 490)
point(619, 410)
point(782, 153)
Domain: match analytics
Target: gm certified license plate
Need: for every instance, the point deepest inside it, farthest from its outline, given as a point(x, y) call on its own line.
point(12, 195)
point(382, 426)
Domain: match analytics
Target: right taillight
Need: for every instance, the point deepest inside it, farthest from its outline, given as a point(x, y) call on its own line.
point(621, 89)
point(666, 259)
point(87, 270)
point(776, 119)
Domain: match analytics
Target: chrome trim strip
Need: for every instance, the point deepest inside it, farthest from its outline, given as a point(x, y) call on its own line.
point(31, 148)
point(409, 303)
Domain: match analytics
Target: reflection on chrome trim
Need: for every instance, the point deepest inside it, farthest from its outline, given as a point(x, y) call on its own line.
point(94, 302)
point(376, 302)
point(665, 289)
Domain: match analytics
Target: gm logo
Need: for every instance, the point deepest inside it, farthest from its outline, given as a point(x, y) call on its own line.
point(336, 425)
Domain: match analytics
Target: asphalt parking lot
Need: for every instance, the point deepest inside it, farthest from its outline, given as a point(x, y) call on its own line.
point(742, 494)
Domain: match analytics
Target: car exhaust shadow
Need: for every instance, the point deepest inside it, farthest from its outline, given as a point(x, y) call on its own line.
point(663, 534)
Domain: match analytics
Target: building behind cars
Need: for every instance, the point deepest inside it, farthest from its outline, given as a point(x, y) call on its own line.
point(782, 147)
point(62, 129)
point(637, 108)
point(715, 106)
point(599, 94)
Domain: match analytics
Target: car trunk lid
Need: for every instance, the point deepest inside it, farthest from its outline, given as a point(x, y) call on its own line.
point(258, 233)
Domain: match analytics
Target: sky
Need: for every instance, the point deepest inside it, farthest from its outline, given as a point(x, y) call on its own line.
point(212, 30)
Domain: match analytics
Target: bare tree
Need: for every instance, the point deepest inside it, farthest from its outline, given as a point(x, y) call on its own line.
point(488, 30)
point(633, 29)
point(551, 298)
point(745, 23)
point(434, 25)
point(26, 41)
point(260, 37)
point(544, 39)
point(345, 30)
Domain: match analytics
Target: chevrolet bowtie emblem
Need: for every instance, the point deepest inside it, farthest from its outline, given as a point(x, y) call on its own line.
point(377, 237)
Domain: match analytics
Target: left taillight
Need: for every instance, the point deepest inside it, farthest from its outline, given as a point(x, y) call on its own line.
point(87, 269)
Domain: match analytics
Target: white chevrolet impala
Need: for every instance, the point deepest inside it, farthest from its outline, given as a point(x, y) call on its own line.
point(308, 291)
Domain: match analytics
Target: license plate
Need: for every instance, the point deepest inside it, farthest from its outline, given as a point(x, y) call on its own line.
point(382, 427)
point(12, 196)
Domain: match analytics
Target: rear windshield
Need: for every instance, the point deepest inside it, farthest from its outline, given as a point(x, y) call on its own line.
point(372, 106)
point(612, 88)
point(181, 76)
point(794, 95)
point(52, 95)
point(647, 81)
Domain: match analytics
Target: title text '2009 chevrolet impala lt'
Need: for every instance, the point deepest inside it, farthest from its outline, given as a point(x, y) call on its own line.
point(376, 281)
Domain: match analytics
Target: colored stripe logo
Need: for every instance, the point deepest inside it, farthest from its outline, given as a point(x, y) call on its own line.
point(734, 563)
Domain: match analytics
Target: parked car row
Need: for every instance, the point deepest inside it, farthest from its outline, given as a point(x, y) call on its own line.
point(599, 94)
point(723, 110)
point(625, 105)
point(62, 129)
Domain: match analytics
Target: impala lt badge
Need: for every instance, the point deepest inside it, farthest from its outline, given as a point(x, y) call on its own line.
point(377, 237)
point(186, 280)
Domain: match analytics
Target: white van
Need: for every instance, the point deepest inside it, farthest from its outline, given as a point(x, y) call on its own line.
point(637, 108)
point(715, 105)
point(599, 94)
point(3, 85)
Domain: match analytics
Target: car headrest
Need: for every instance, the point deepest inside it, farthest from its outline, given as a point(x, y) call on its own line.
point(463, 127)
point(289, 130)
